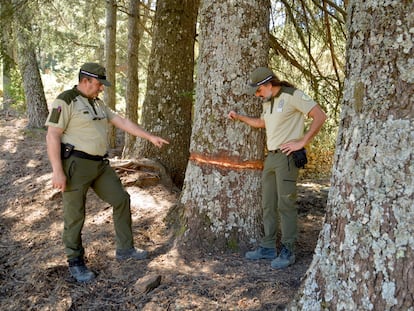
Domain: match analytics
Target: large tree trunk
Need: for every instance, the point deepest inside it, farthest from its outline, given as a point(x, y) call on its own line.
point(364, 259)
point(169, 97)
point(132, 81)
point(32, 82)
point(110, 52)
point(221, 195)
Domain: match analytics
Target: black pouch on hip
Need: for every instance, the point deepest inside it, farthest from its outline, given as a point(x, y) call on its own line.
point(299, 156)
point(66, 150)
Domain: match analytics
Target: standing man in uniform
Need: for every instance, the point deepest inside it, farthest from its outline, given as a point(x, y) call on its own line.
point(283, 114)
point(77, 150)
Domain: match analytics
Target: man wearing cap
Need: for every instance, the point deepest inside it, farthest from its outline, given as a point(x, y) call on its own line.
point(77, 150)
point(284, 109)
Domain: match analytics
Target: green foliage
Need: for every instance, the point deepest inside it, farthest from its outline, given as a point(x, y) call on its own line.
point(320, 156)
point(69, 37)
point(16, 92)
point(308, 49)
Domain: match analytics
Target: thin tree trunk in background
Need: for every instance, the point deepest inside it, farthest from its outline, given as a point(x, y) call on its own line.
point(169, 97)
point(132, 75)
point(110, 52)
point(220, 203)
point(6, 51)
point(364, 259)
point(37, 110)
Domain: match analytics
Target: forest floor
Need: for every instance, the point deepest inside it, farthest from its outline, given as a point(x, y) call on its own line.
point(33, 268)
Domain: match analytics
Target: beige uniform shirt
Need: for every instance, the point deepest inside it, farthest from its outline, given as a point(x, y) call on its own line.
point(84, 121)
point(285, 118)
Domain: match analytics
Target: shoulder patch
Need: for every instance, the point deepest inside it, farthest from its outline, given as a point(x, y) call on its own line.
point(306, 97)
point(68, 96)
point(55, 115)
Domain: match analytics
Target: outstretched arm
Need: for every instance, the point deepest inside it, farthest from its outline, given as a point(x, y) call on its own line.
point(253, 122)
point(134, 129)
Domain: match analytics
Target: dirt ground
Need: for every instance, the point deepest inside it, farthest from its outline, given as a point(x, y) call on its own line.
point(33, 269)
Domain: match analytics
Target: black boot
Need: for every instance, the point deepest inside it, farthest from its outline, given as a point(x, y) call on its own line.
point(79, 271)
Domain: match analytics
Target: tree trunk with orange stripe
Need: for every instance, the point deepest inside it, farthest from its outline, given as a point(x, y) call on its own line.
point(221, 198)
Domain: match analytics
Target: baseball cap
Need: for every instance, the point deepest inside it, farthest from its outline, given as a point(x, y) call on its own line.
point(96, 71)
point(258, 77)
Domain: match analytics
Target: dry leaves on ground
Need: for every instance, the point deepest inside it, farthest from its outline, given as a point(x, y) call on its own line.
point(33, 270)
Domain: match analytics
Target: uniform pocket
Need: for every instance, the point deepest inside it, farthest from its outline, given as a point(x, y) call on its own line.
point(69, 167)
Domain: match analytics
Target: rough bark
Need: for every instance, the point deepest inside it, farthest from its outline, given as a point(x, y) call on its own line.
point(169, 96)
point(27, 62)
point(221, 195)
point(364, 259)
point(132, 80)
point(110, 53)
point(6, 49)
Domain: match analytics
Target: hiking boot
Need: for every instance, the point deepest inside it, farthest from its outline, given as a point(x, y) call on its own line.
point(79, 271)
point(285, 259)
point(261, 253)
point(134, 253)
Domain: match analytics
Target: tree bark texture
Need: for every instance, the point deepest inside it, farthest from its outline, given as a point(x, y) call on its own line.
point(364, 259)
point(169, 98)
point(6, 50)
point(222, 189)
point(132, 81)
point(37, 110)
point(110, 53)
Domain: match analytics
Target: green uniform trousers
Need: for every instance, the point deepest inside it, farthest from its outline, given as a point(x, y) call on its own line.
point(279, 194)
point(81, 175)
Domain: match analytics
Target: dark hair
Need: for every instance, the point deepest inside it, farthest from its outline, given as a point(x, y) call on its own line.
point(83, 76)
point(276, 82)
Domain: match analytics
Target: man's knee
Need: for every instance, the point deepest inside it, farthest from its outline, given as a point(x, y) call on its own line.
point(120, 199)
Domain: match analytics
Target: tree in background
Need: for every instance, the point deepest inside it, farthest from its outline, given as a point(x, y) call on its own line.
point(6, 49)
point(169, 98)
point(220, 203)
point(306, 43)
point(32, 83)
point(308, 47)
point(132, 76)
point(364, 259)
point(307, 40)
point(110, 62)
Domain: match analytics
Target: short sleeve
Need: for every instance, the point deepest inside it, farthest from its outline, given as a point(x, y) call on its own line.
point(58, 114)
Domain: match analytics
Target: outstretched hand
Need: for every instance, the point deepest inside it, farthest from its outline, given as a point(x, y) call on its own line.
point(158, 141)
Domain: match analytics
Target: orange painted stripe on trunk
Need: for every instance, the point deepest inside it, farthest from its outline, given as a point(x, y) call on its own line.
point(228, 162)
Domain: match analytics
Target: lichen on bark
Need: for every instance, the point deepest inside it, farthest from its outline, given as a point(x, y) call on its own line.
point(367, 239)
point(222, 203)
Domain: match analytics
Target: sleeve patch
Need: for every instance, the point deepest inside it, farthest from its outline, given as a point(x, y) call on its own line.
point(55, 115)
point(306, 97)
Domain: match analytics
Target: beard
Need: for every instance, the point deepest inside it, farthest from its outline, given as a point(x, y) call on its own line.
point(266, 98)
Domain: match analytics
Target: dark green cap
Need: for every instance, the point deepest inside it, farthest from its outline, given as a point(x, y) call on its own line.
point(96, 71)
point(259, 77)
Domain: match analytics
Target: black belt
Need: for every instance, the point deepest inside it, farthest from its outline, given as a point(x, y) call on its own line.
point(275, 151)
point(87, 156)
